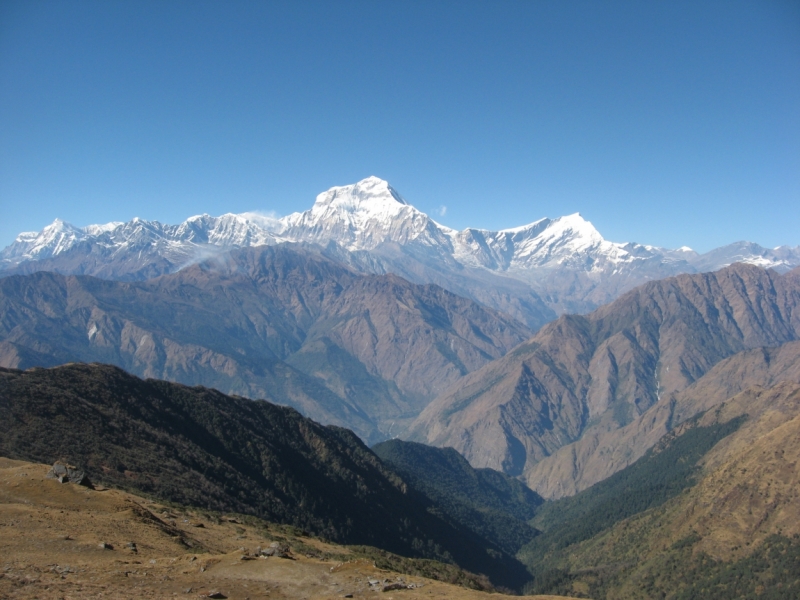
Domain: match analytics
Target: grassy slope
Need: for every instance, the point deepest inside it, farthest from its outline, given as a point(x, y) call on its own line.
point(48, 525)
point(724, 521)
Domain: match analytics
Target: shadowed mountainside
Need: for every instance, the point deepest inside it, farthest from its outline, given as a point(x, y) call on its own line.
point(490, 503)
point(199, 447)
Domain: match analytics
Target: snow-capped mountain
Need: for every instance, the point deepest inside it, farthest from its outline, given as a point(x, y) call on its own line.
point(134, 250)
point(370, 213)
point(782, 258)
point(564, 262)
point(361, 217)
point(59, 237)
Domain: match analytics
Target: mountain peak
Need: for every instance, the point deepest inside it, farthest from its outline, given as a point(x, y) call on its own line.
point(575, 220)
point(577, 226)
point(367, 192)
point(359, 216)
point(56, 227)
point(59, 225)
point(573, 224)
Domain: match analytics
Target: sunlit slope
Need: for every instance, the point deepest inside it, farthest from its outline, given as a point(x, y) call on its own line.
point(52, 536)
point(583, 376)
point(726, 529)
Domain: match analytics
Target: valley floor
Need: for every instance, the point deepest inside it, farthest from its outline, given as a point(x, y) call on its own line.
point(52, 537)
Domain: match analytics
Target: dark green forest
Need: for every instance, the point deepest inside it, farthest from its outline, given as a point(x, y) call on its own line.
point(488, 502)
point(661, 474)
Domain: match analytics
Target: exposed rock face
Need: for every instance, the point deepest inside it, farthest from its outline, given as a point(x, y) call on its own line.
point(289, 325)
point(68, 474)
point(583, 376)
point(278, 550)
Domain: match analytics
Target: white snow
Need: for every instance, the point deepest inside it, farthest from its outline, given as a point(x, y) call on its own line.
point(362, 216)
point(100, 229)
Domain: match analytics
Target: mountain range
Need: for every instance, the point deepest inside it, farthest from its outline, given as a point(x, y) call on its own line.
point(654, 426)
point(554, 410)
point(532, 272)
point(563, 408)
point(709, 511)
point(280, 323)
point(324, 325)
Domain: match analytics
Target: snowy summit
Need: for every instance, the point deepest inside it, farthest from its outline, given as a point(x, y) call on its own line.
point(365, 216)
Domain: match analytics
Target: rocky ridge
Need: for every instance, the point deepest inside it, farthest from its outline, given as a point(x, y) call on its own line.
point(586, 378)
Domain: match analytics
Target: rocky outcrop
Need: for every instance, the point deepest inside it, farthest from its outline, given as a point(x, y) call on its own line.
point(68, 474)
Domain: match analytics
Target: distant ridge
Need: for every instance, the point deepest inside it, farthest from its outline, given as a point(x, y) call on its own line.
point(563, 263)
point(280, 323)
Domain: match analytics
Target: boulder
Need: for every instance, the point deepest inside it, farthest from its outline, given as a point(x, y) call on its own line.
point(68, 473)
point(277, 549)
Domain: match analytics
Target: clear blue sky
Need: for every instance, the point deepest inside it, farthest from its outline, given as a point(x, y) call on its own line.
point(666, 123)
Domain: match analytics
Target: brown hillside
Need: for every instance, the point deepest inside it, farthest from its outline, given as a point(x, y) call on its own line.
point(718, 535)
point(584, 376)
point(287, 325)
point(600, 453)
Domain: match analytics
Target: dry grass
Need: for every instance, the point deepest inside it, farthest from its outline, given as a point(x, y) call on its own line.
point(51, 535)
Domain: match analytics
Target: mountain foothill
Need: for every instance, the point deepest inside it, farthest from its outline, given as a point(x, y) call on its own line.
point(277, 323)
point(554, 412)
